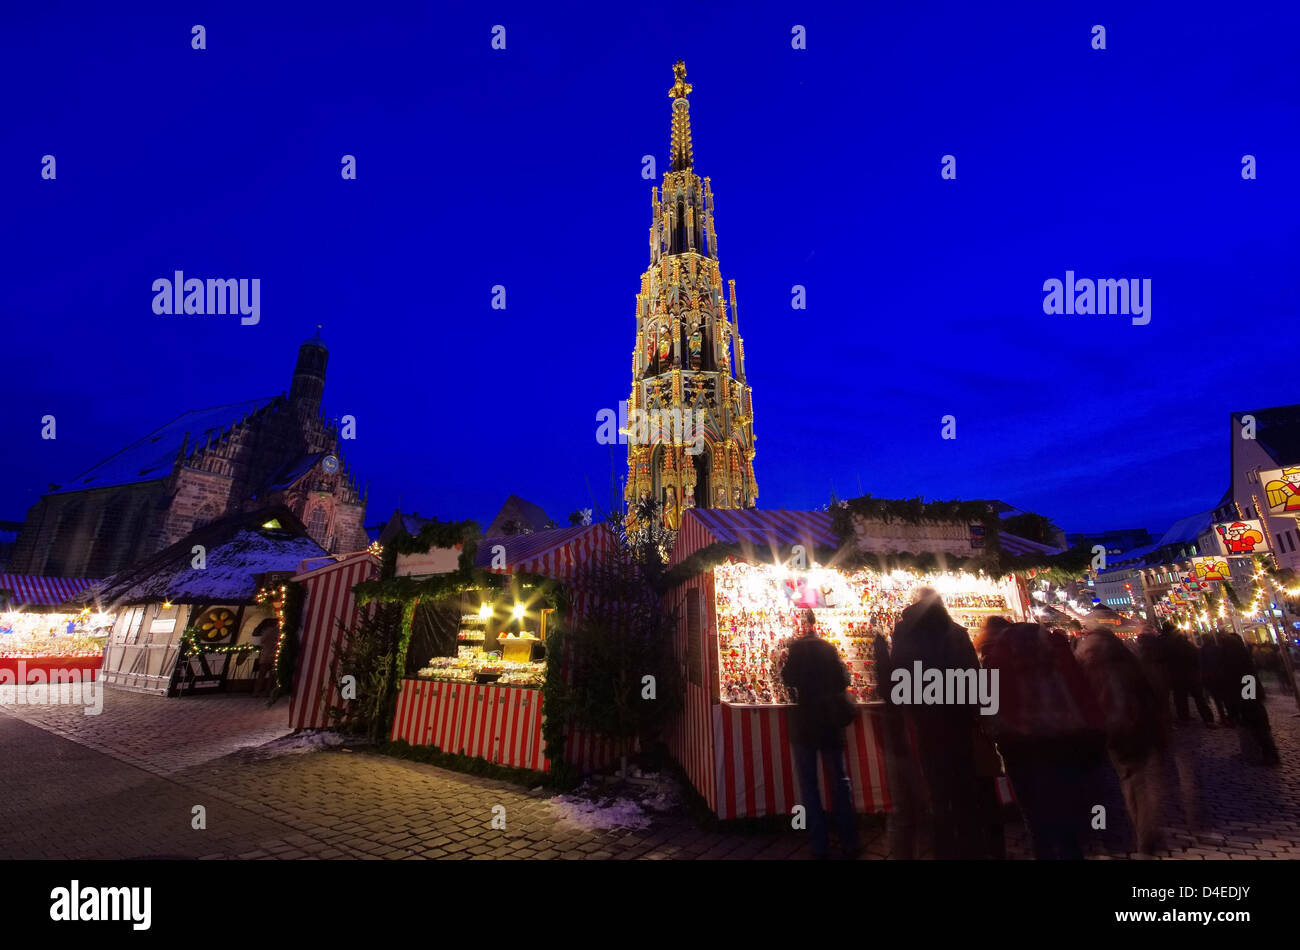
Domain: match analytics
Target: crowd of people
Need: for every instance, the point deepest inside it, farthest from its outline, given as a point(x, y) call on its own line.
point(1069, 708)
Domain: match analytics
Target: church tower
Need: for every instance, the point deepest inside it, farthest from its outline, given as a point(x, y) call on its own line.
point(308, 384)
point(689, 361)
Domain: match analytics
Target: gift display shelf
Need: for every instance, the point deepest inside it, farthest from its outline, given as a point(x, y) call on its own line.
point(760, 611)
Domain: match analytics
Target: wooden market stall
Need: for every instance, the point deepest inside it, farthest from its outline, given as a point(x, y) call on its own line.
point(40, 632)
point(189, 618)
point(743, 578)
point(329, 610)
point(486, 699)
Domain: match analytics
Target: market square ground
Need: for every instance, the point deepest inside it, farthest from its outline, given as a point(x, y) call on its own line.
point(148, 761)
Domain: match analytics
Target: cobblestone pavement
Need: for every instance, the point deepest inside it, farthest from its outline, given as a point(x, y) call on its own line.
point(123, 784)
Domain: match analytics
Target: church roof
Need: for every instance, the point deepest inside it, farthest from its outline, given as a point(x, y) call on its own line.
point(290, 473)
point(153, 456)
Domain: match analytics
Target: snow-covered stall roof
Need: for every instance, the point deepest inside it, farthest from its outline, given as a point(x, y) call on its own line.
point(236, 550)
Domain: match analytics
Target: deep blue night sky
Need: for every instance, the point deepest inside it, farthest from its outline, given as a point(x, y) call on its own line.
point(479, 167)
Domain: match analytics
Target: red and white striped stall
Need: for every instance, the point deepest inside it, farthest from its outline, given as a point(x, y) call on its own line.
point(328, 601)
point(503, 724)
point(739, 757)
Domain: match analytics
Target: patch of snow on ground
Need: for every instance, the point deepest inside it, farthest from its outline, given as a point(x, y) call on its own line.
point(594, 807)
point(600, 816)
point(298, 744)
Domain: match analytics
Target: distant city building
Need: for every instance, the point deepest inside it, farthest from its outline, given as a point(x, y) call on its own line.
point(9, 531)
point(518, 516)
point(1276, 445)
point(197, 469)
point(1115, 542)
point(399, 522)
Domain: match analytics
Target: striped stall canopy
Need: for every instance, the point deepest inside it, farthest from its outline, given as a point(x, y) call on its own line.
point(763, 530)
point(556, 553)
point(327, 602)
point(30, 590)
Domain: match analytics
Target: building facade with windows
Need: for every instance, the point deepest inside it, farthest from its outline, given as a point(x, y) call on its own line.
point(202, 466)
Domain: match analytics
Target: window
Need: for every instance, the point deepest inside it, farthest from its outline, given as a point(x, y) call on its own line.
point(318, 526)
point(129, 632)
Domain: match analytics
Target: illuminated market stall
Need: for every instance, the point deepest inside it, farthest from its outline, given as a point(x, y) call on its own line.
point(206, 621)
point(39, 631)
point(480, 694)
point(743, 580)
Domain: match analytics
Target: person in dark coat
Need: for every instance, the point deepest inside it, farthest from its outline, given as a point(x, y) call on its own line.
point(1137, 735)
point(1212, 675)
point(945, 741)
point(1185, 675)
point(1050, 733)
point(903, 774)
point(819, 678)
point(1243, 696)
point(1153, 653)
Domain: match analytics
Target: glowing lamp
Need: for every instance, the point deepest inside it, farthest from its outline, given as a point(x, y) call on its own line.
point(518, 611)
point(485, 611)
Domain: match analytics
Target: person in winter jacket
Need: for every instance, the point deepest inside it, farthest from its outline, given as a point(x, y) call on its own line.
point(819, 677)
point(945, 742)
point(902, 771)
point(1214, 678)
point(1153, 653)
point(1049, 730)
point(1242, 694)
point(1184, 675)
point(1137, 734)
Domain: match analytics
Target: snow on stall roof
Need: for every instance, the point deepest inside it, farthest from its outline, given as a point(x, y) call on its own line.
point(152, 457)
point(230, 568)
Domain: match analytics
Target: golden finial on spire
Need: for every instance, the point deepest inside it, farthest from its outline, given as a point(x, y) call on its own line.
point(681, 88)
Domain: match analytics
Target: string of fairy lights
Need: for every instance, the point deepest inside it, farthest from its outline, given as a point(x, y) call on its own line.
point(275, 597)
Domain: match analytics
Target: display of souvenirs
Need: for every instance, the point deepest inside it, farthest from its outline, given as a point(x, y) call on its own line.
point(760, 610)
point(467, 666)
point(473, 629)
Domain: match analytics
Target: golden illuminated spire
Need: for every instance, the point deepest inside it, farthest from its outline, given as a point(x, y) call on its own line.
point(679, 146)
point(690, 425)
point(681, 88)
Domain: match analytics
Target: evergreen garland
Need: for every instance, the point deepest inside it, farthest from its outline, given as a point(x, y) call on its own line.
point(409, 591)
point(991, 560)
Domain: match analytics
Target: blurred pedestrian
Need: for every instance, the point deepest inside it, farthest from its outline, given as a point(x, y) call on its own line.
point(1153, 653)
point(1185, 675)
point(1244, 698)
point(822, 712)
point(902, 771)
point(1212, 675)
point(943, 734)
point(1137, 733)
point(1050, 732)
